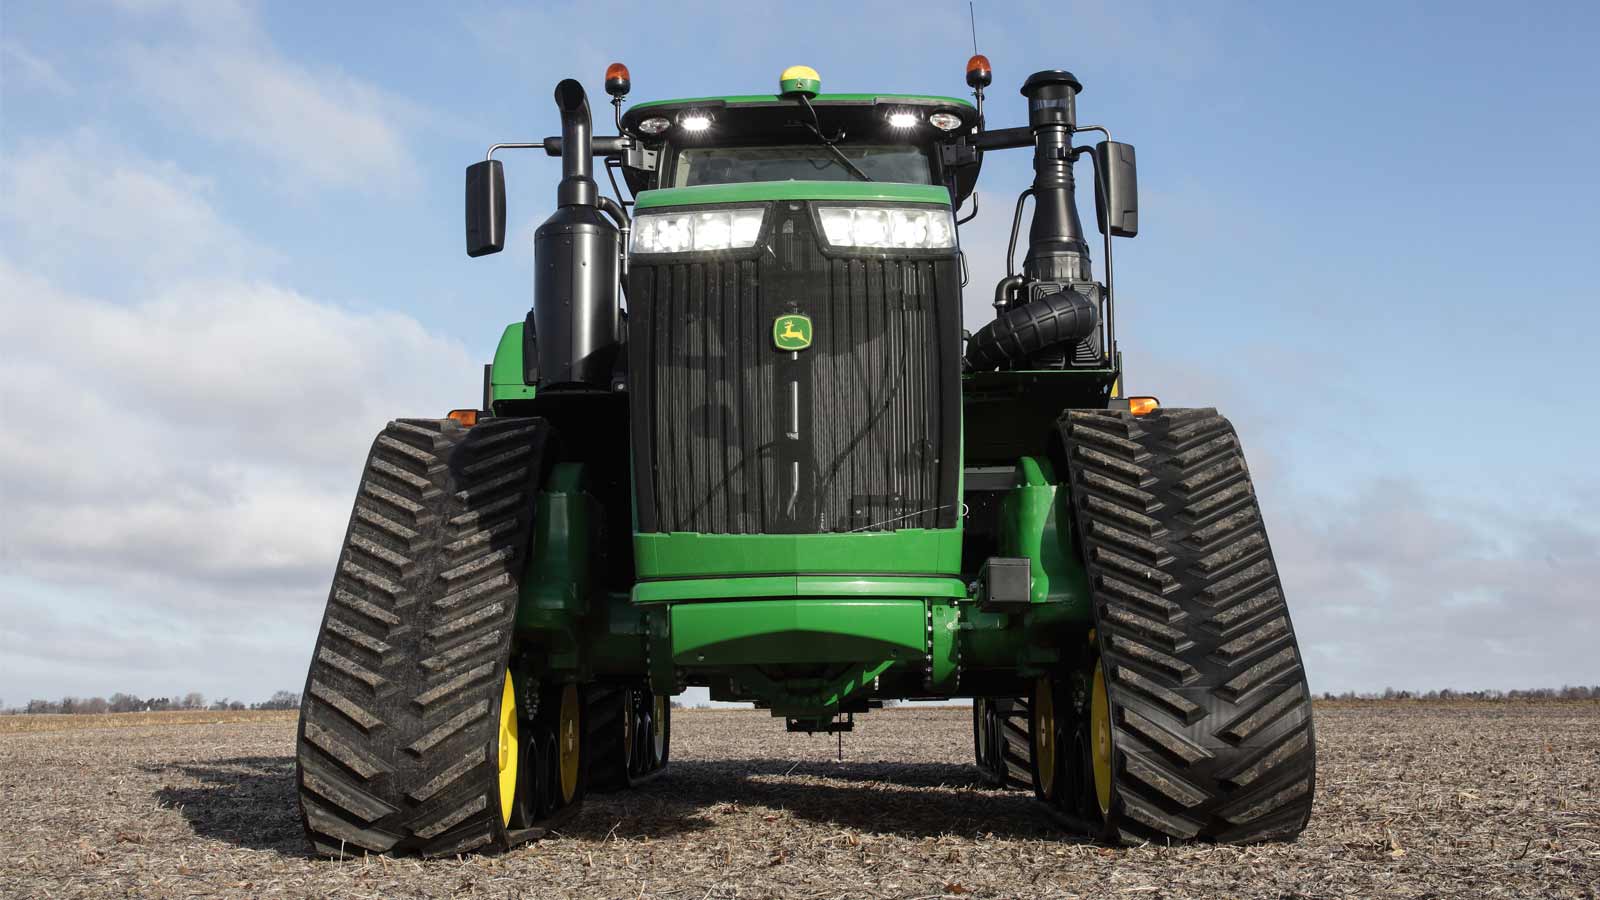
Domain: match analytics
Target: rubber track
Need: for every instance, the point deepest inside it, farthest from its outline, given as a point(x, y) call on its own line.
point(608, 767)
point(1015, 766)
point(1211, 713)
point(1009, 762)
point(399, 725)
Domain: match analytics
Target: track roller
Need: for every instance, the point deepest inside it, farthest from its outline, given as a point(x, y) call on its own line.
point(629, 746)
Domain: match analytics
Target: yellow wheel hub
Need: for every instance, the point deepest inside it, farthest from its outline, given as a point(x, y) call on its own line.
point(568, 743)
point(659, 726)
point(630, 727)
point(1100, 739)
point(1044, 735)
point(510, 750)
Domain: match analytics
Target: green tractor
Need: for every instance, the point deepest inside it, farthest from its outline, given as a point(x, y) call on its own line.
point(742, 442)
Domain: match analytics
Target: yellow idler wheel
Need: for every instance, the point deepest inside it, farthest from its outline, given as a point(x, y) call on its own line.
point(658, 737)
point(1044, 738)
point(569, 743)
point(1100, 739)
point(630, 728)
point(510, 751)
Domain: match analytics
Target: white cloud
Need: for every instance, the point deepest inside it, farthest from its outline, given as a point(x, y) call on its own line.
point(186, 440)
point(224, 79)
point(1393, 586)
point(208, 435)
point(88, 202)
point(19, 63)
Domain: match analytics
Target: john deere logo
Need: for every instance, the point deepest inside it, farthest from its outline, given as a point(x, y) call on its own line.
point(792, 332)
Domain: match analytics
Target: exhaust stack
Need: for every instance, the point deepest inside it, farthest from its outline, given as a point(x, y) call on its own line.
point(575, 254)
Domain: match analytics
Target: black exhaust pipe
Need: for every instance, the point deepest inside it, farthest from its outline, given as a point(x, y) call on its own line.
point(577, 146)
point(575, 253)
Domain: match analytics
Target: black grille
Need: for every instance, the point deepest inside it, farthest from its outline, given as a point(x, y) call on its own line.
point(715, 403)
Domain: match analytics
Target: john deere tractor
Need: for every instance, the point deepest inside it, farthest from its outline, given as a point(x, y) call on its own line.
point(741, 441)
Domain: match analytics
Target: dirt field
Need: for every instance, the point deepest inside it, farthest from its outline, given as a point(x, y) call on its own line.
point(1413, 800)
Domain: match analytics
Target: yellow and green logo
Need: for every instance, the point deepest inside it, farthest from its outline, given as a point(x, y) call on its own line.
point(792, 332)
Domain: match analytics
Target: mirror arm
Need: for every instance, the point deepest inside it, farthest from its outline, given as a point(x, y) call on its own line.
point(603, 146)
point(1109, 314)
point(494, 147)
point(971, 215)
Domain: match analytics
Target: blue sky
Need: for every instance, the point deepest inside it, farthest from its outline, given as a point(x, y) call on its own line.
point(230, 248)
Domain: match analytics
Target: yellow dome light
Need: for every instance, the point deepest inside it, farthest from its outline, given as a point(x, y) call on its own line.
point(802, 80)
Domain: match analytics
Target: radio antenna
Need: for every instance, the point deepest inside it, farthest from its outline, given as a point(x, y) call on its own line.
point(973, 18)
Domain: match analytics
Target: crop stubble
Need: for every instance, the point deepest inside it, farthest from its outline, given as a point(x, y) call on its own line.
point(1413, 800)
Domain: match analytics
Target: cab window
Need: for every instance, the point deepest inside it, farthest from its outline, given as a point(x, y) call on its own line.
point(901, 163)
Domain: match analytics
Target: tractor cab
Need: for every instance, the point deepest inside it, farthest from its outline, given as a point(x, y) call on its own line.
point(754, 139)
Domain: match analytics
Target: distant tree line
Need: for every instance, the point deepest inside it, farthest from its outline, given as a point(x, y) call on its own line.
point(122, 703)
point(1566, 692)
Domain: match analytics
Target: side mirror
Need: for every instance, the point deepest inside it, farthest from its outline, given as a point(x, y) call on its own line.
point(486, 208)
point(1116, 189)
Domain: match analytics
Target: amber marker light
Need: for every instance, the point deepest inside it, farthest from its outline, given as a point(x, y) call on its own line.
point(466, 417)
point(1140, 406)
point(617, 81)
point(979, 74)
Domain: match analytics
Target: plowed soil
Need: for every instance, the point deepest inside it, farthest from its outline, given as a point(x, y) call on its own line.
point(1413, 800)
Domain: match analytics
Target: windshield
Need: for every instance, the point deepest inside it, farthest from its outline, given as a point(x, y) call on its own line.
point(901, 163)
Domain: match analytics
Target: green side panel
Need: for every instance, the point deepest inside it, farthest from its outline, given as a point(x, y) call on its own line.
point(762, 191)
point(505, 375)
point(789, 586)
point(909, 551)
point(819, 100)
point(775, 632)
point(1036, 523)
point(555, 588)
point(617, 634)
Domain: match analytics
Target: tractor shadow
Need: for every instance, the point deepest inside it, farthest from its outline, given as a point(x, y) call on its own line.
point(250, 801)
point(908, 800)
point(246, 801)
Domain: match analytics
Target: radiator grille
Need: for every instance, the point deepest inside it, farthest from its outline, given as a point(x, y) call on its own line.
point(858, 432)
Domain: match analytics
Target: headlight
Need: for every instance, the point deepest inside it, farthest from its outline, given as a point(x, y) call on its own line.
point(886, 228)
point(685, 232)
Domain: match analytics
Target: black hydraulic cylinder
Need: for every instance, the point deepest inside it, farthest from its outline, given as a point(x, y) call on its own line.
point(1057, 250)
point(576, 253)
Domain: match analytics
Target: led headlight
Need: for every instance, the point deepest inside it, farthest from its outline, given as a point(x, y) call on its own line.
point(686, 232)
point(886, 228)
